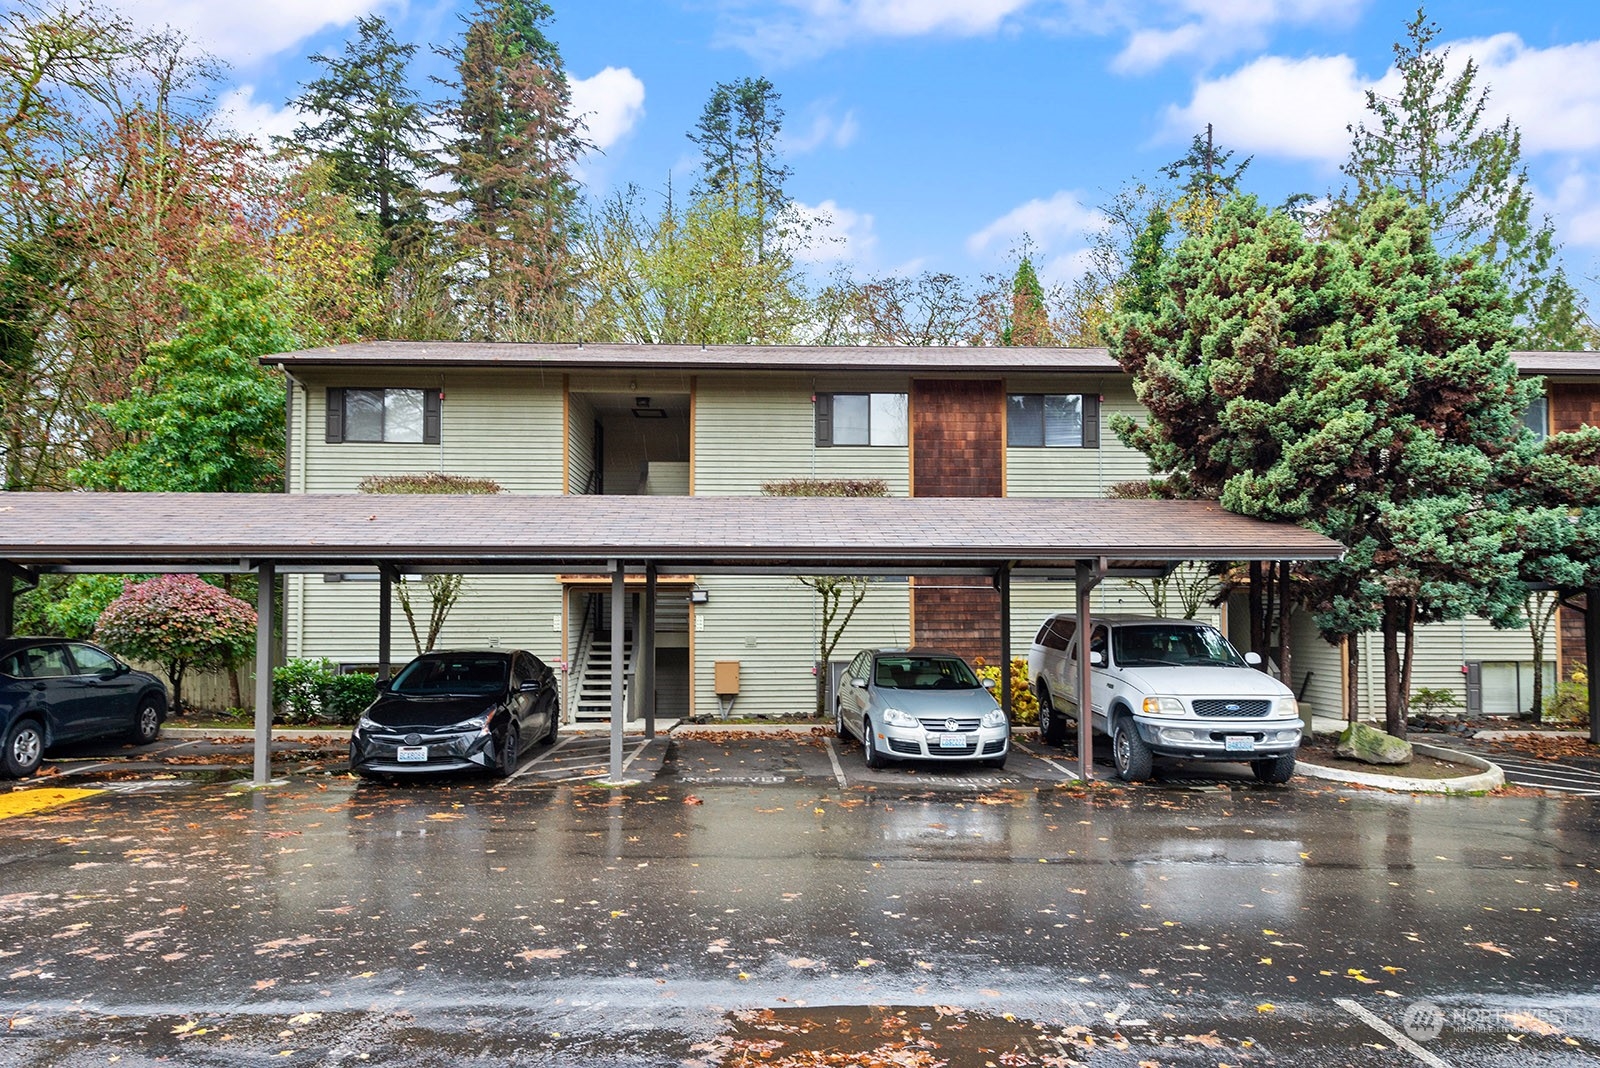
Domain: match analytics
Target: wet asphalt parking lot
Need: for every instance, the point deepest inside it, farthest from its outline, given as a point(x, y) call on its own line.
point(741, 904)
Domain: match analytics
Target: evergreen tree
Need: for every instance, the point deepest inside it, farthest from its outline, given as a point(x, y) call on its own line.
point(516, 198)
point(738, 136)
point(1362, 388)
point(371, 127)
point(1029, 321)
point(1434, 143)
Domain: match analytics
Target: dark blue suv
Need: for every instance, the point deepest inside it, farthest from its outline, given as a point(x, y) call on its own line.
point(55, 690)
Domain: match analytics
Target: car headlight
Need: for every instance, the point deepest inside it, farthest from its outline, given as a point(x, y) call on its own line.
point(1163, 706)
point(368, 725)
point(896, 718)
point(476, 723)
point(1288, 706)
point(995, 717)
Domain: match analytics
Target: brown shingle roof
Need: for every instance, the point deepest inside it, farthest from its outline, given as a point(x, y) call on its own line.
point(583, 532)
point(950, 359)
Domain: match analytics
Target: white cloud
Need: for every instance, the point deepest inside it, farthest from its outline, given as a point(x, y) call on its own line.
point(801, 28)
point(1552, 94)
point(238, 110)
point(243, 33)
point(1062, 222)
point(1214, 28)
point(838, 234)
point(823, 130)
point(1300, 108)
point(1577, 202)
point(611, 104)
point(1218, 27)
point(1297, 108)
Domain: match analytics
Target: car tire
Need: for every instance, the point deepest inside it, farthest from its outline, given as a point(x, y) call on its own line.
point(839, 727)
point(869, 748)
point(1129, 751)
point(555, 727)
point(24, 749)
point(1278, 769)
point(147, 721)
point(1051, 730)
point(510, 754)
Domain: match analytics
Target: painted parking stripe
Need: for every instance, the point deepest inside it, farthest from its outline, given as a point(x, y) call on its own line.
point(530, 765)
point(1384, 1028)
point(833, 758)
point(40, 799)
point(1071, 773)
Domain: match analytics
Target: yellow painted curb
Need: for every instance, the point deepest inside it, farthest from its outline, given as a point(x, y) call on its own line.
point(22, 802)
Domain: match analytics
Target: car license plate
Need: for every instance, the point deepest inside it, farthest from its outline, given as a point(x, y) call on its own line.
point(411, 754)
point(1239, 743)
point(952, 741)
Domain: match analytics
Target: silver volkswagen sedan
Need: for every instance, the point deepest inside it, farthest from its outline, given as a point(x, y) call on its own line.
point(917, 705)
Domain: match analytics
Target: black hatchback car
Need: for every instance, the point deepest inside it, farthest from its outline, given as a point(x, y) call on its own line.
point(458, 711)
point(55, 690)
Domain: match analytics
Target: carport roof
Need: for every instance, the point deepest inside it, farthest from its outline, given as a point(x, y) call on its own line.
point(917, 359)
point(330, 532)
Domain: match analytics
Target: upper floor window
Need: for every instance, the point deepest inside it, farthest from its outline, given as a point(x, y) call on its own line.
point(862, 418)
point(1537, 417)
point(390, 415)
point(1052, 420)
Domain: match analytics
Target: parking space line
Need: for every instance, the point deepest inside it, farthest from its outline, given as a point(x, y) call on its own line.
point(628, 763)
point(833, 758)
point(526, 768)
point(1378, 1024)
point(1070, 773)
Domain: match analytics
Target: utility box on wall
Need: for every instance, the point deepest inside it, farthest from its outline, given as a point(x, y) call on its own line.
point(725, 677)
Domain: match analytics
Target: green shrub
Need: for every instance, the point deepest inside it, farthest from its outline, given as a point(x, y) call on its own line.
point(1428, 701)
point(1570, 702)
point(313, 691)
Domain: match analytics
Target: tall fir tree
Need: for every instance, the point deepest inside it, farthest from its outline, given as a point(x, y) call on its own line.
point(1435, 142)
point(372, 129)
point(738, 134)
point(515, 197)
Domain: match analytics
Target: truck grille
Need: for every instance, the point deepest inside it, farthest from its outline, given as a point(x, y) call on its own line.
point(1223, 707)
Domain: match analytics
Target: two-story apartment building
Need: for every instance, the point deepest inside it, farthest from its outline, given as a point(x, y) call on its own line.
point(614, 419)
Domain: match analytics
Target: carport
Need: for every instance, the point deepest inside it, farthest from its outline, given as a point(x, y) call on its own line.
point(272, 534)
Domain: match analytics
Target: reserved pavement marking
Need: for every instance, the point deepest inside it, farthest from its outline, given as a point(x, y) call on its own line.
point(1393, 1034)
point(833, 758)
point(38, 799)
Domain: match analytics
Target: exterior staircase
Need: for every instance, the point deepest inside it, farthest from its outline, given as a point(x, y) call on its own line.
point(593, 699)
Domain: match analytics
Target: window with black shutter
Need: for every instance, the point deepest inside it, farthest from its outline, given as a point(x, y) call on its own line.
point(391, 416)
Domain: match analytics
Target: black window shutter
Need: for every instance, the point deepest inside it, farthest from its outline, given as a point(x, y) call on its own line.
point(335, 415)
point(1091, 421)
point(824, 413)
point(432, 410)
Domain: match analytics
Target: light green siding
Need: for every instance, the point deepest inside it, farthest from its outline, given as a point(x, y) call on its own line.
point(749, 430)
point(580, 443)
point(506, 427)
point(1066, 472)
point(339, 620)
point(1442, 649)
point(770, 625)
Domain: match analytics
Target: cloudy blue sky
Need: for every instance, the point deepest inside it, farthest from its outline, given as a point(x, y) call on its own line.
point(934, 133)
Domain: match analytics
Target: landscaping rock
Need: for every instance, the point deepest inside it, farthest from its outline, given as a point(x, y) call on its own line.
point(1372, 746)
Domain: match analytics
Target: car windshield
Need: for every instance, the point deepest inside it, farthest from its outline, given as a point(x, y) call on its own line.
point(924, 673)
point(1172, 645)
point(434, 675)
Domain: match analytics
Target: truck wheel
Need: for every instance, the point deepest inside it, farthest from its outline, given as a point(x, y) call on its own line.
point(1274, 769)
point(1050, 724)
point(1129, 751)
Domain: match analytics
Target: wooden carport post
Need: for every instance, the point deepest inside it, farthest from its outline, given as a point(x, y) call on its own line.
point(1088, 576)
point(1002, 581)
point(266, 578)
point(646, 673)
point(619, 624)
point(1591, 648)
point(386, 576)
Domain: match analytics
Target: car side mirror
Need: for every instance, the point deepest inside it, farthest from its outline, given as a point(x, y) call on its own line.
point(988, 684)
point(1253, 659)
point(381, 685)
point(529, 686)
point(860, 684)
point(1096, 660)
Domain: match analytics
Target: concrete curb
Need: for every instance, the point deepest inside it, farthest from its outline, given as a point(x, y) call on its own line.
point(1501, 736)
point(248, 734)
point(779, 729)
point(1490, 777)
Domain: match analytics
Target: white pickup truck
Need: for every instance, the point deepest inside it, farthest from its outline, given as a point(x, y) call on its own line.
point(1165, 687)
